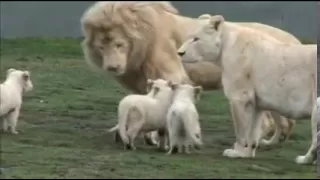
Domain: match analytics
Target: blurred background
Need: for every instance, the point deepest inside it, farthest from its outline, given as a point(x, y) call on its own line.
point(61, 19)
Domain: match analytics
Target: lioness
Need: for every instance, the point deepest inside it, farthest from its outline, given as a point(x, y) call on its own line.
point(259, 73)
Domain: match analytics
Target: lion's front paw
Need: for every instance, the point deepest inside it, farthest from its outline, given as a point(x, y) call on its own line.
point(231, 153)
point(14, 132)
point(304, 160)
point(164, 148)
point(265, 142)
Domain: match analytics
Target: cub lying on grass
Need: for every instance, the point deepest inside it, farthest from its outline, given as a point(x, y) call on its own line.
point(145, 113)
point(11, 91)
point(183, 118)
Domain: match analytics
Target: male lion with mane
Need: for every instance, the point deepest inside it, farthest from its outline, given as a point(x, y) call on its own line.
point(138, 40)
point(259, 73)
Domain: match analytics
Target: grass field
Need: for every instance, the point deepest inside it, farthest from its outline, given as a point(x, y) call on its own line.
point(64, 120)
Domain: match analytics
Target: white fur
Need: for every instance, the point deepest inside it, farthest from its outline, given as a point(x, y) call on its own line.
point(144, 113)
point(152, 136)
point(259, 73)
point(183, 119)
point(194, 50)
point(318, 102)
point(11, 92)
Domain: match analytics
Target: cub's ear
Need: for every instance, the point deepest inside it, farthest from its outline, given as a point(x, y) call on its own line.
point(172, 85)
point(197, 92)
point(10, 70)
point(149, 84)
point(216, 21)
point(204, 16)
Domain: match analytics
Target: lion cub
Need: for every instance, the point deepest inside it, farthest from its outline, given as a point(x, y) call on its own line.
point(281, 128)
point(183, 119)
point(11, 91)
point(144, 113)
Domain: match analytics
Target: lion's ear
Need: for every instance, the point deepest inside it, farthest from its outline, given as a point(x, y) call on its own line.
point(149, 84)
point(216, 21)
point(204, 16)
point(197, 92)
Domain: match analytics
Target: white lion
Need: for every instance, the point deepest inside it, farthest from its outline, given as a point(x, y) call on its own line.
point(272, 121)
point(183, 119)
point(280, 126)
point(259, 73)
point(138, 40)
point(145, 113)
point(11, 91)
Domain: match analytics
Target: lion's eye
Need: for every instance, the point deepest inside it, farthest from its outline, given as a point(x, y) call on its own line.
point(195, 39)
point(25, 77)
point(119, 45)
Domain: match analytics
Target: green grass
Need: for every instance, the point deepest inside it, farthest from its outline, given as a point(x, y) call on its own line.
point(64, 120)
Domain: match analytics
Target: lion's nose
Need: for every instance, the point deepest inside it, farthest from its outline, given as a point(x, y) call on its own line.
point(113, 68)
point(181, 53)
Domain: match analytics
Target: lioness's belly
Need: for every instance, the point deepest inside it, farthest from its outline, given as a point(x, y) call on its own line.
point(284, 79)
point(289, 94)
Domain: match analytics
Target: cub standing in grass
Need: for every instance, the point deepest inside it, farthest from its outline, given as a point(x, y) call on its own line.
point(183, 118)
point(11, 91)
point(145, 113)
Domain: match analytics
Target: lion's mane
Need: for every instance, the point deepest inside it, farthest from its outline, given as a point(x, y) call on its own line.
point(143, 24)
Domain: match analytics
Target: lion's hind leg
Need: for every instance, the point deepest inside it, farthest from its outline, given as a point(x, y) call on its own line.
point(311, 155)
point(133, 132)
point(135, 122)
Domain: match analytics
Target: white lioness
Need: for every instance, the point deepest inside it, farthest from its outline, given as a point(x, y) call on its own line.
point(11, 91)
point(272, 121)
point(183, 119)
point(259, 73)
point(145, 113)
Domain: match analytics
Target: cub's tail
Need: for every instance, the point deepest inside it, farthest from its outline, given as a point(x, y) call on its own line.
point(115, 128)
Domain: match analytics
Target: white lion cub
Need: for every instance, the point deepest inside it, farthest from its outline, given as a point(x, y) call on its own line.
point(145, 113)
point(183, 118)
point(11, 91)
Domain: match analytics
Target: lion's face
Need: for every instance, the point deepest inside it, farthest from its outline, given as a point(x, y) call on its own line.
point(204, 44)
point(114, 49)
